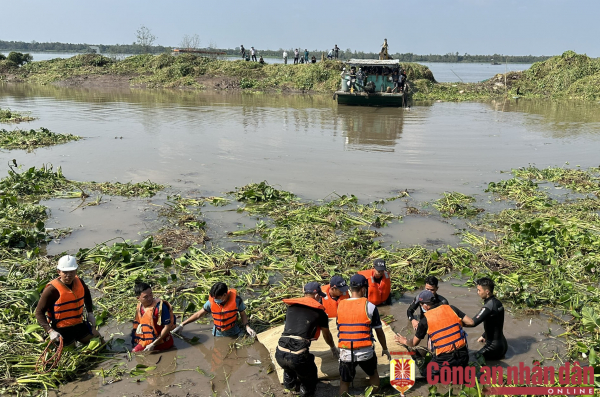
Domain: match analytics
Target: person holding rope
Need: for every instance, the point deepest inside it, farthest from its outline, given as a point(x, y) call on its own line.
point(60, 308)
point(153, 321)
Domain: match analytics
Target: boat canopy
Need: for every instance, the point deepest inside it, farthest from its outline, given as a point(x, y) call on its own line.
point(374, 62)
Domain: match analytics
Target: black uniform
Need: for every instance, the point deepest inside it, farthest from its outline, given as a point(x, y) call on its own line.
point(492, 316)
point(301, 325)
point(415, 305)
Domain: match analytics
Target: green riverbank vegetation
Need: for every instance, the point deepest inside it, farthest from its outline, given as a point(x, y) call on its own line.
point(31, 139)
point(568, 76)
point(544, 256)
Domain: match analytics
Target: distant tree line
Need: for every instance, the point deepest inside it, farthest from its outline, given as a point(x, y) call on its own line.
point(34, 46)
point(136, 48)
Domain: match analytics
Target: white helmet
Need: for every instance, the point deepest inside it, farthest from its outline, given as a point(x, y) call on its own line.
point(67, 263)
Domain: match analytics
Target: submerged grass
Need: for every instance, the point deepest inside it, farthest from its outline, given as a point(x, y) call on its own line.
point(545, 254)
point(9, 116)
point(31, 139)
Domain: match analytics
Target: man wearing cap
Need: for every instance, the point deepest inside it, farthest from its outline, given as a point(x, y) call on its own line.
point(335, 292)
point(305, 320)
point(431, 284)
point(60, 308)
point(357, 318)
point(380, 284)
point(443, 324)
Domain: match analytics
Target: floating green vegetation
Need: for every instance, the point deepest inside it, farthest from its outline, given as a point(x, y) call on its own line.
point(8, 116)
point(544, 254)
point(31, 139)
point(578, 180)
point(456, 204)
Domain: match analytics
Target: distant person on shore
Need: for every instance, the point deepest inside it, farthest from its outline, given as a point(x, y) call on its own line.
point(285, 56)
point(313, 59)
point(330, 54)
point(336, 50)
point(305, 55)
point(301, 59)
point(296, 53)
point(261, 60)
point(253, 53)
point(243, 51)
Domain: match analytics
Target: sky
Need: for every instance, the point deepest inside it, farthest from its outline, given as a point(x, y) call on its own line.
point(510, 27)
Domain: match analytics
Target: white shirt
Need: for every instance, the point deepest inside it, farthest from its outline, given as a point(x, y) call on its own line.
point(364, 353)
point(285, 54)
point(252, 51)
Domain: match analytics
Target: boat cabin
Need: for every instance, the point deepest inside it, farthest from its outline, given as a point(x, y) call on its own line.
point(377, 71)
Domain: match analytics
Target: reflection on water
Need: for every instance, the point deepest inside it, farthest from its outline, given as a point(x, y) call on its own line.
point(215, 141)
point(374, 129)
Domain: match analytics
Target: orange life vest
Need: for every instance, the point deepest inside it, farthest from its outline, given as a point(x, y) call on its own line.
point(310, 302)
point(378, 292)
point(330, 304)
point(445, 330)
point(68, 309)
point(224, 316)
point(354, 324)
point(146, 325)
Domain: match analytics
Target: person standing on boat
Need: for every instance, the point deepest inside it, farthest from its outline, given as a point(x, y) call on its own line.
point(285, 56)
point(253, 53)
point(492, 316)
point(360, 79)
point(224, 305)
point(396, 81)
point(60, 308)
point(243, 51)
point(305, 321)
point(352, 84)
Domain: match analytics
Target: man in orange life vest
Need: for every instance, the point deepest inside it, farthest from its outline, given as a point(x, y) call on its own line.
point(335, 292)
point(224, 305)
point(357, 318)
point(380, 285)
point(305, 320)
point(60, 308)
point(443, 324)
point(153, 321)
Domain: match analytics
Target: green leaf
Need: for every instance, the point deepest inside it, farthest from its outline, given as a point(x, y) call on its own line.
point(32, 328)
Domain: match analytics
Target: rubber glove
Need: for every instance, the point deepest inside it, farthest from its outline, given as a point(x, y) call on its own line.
point(250, 331)
point(91, 319)
point(177, 329)
point(335, 352)
point(386, 353)
point(54, 336)
point(150, 347)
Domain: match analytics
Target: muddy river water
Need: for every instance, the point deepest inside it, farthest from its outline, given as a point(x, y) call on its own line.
point(209, 143)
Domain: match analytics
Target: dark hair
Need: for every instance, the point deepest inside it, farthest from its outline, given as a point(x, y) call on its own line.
point(486, 282)
point(431, 280)
point(357, 289)
point(218, 289)
point(139, 288)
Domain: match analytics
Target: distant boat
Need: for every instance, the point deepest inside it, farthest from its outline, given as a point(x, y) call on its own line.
point(496, 63)
point(377, 86)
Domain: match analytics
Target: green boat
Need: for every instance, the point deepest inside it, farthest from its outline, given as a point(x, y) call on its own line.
point(377, 88)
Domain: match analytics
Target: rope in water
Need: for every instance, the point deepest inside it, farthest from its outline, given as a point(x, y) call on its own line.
point(43, 362)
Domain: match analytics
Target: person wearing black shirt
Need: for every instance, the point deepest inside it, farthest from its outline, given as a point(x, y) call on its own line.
point(442, 323)
point(305, 320)
point(492, 316)
point(431, 284)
